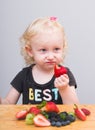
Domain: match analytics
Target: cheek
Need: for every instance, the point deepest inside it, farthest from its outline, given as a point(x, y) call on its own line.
point(60, 55)
point(38, 57)
point(60, 58)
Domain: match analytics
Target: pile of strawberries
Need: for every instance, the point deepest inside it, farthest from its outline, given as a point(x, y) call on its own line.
point(34, 115)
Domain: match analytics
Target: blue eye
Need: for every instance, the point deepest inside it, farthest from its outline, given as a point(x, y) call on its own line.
point(43, 50)
point(57, 49)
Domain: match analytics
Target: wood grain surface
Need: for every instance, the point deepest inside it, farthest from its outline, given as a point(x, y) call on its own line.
point(9, 122)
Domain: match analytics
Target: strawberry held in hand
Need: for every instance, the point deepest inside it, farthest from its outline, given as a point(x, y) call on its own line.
point(51, 107)
point(59, 70)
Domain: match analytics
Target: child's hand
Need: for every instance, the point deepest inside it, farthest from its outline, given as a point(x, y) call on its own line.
point(0, 100)
point(61, 82)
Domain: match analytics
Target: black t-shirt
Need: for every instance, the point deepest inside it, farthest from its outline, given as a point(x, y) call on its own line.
point(35, 93)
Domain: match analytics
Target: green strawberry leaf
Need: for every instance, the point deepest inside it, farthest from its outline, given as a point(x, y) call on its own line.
point(42, 104)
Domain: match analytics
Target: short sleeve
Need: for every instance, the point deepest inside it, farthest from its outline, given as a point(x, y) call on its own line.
point(72, 81)
point(17, 82)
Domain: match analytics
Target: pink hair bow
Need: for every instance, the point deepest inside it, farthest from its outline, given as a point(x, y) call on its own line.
point(53, 18)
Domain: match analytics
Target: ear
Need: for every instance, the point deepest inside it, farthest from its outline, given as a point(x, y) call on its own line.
point(28, 50)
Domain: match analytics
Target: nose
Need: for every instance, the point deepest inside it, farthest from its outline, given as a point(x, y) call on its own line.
point(50, 55)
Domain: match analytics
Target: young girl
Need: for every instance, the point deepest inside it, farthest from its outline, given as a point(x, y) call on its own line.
point(43, 46)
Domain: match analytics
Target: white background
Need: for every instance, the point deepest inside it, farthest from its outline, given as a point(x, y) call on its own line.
point(78, 19)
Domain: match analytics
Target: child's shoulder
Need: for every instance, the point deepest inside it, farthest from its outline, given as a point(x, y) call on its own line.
point(28, 68)
point(25, 71)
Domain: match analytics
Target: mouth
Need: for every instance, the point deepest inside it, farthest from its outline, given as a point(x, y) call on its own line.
point(51, 63)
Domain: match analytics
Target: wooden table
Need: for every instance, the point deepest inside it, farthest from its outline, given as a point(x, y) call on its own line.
point(9, 122)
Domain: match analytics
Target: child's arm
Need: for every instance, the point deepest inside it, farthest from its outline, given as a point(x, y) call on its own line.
point(11, 98)
point(67, 93)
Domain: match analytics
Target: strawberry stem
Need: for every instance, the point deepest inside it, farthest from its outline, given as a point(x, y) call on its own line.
point(42, 104)
point(75, 106)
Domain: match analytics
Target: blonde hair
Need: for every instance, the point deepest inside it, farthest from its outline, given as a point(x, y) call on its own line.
point(38, 26)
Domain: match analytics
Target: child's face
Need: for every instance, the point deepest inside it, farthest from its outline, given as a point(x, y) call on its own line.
point(47, 49)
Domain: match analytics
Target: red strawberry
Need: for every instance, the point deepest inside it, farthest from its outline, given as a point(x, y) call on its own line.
point(51, 107)
point(40, 120)
point(86, 111)
point(21, 114)
point(79, 113)
point(34, 110)
point(59, 70)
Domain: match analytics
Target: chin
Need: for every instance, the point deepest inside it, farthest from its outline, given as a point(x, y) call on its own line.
point(50, 66)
